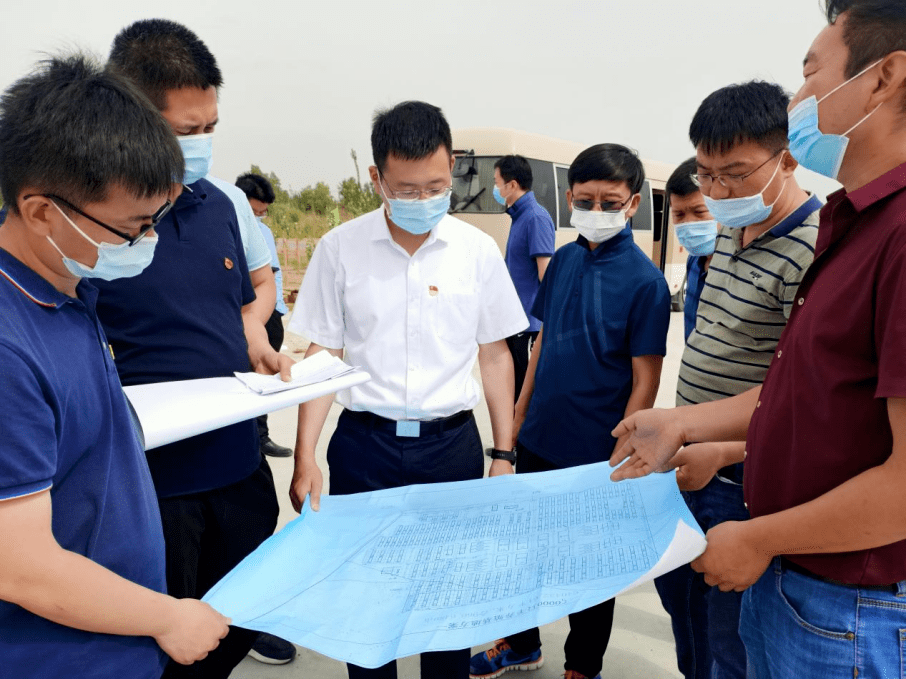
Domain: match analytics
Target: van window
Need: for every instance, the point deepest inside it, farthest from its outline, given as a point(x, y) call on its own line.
point(473, 185)
point(643, 219)
point(563, 207)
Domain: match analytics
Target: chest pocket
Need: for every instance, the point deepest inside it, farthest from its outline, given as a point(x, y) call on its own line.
point(452, 313)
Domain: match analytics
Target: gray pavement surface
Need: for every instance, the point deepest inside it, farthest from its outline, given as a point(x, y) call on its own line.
point(642, 642)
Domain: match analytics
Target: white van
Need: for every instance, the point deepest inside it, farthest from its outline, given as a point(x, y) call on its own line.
point(477, 149)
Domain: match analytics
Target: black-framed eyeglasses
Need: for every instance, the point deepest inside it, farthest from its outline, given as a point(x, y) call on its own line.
point(728, 181)
point(606, 206)
point(132, 240)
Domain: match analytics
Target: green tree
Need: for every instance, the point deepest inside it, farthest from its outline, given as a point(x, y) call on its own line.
point(317, 199)
point(280, 194)
point(357, 199)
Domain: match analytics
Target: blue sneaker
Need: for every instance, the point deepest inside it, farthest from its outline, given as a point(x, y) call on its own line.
point(495, 661)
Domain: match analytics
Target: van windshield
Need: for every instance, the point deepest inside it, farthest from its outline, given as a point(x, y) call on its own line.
point(473, 185)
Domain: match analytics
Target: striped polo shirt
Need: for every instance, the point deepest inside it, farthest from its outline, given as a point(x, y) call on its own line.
point(744, 306)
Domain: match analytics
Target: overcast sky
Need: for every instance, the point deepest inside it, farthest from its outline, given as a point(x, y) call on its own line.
point(302, 79)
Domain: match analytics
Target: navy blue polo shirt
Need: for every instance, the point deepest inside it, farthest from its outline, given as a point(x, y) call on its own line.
point(695, 283)
point(65, 426)
point(181, 319)
point(531, 236)
point(600, 308)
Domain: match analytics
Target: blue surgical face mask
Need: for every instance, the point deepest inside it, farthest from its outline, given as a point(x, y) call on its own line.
point(417, 216)
point(740, 212)
point(114, 260)
point(819, 152)
point(699, 238)
point(197, 150)
point(500, 199)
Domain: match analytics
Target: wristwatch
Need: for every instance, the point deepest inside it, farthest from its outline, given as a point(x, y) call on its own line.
point(508, 455)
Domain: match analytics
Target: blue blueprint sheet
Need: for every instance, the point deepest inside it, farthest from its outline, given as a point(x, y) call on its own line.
point(378, 576)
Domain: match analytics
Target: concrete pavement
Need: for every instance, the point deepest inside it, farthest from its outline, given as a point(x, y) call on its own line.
point(641, 644)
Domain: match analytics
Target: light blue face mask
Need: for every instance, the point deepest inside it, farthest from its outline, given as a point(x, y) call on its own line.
point(699, 238)
point(417, 217)
point(819, 152)
point(197, 149)
point(114, 260)
point(500, 199)
point(741, 212)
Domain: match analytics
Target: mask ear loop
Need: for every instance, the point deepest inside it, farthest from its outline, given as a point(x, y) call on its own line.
point(860, 73)
point(74, 226)
point(782, 188)
point(870, 114)
point(386, 202)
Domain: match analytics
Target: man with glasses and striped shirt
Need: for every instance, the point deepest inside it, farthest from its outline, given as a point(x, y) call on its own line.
point(768, 228)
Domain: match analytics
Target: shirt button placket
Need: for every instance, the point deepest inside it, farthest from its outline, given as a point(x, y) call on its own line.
point(413, 322)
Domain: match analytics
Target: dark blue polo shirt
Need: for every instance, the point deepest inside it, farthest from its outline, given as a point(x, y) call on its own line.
point(181, 319)
point(600, 308)
point(695, 283)
point(531, 236)
point(65, 426)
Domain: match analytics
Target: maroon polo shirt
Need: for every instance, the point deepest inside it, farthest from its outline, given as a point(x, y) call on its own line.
point(822, 418)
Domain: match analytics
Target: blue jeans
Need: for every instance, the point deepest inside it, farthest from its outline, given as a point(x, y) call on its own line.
point(705, 620)
point(794, 625)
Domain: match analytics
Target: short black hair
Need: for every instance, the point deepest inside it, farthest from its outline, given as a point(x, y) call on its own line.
point(518, 168)
point(257, 187)
point(754, 111)
point(160, 55)
point(73, 129)
point(607, 162)
point(874, 29)
point(411, 130)
point(680, 182)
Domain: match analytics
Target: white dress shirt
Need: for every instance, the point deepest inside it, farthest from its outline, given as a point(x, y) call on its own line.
point(414, 323)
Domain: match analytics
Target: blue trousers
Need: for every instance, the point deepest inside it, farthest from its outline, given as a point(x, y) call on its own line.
point(365, 457)
point(705, 620)
point(794, 625)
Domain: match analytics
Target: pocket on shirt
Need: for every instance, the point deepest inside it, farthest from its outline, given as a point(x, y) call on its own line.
point(453, 314)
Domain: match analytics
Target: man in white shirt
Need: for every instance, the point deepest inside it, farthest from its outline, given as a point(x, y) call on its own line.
point(412, 295)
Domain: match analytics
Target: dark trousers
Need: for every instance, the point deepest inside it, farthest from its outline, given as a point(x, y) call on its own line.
point(275, 334)
point(589, 630)
point(705, 620)
point(521, 347)
point(369, 456)
point(206, 535)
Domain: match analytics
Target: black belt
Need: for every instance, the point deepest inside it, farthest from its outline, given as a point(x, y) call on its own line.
point(796, 568)
point(426, 427)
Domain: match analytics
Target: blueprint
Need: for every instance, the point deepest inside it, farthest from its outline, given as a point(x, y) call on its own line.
point(382, 575)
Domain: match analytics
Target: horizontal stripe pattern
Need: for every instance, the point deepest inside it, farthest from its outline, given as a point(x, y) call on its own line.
point(743, 310)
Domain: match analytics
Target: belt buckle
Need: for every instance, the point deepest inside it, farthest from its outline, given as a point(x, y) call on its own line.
point(408, 428)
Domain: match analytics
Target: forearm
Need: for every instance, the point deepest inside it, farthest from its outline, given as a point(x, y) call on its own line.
point(312, 415)
point(255, 333)
point(723, 420)
point(528, 384)
point(867, 511)
point(731, 452)
point(74, 591)
point(496, 365)
point(646, 378)
point(265, 286)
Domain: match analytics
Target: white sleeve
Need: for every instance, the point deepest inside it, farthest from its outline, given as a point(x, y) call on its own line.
point(501, 313)
point(318, 313)
point(257, 253)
